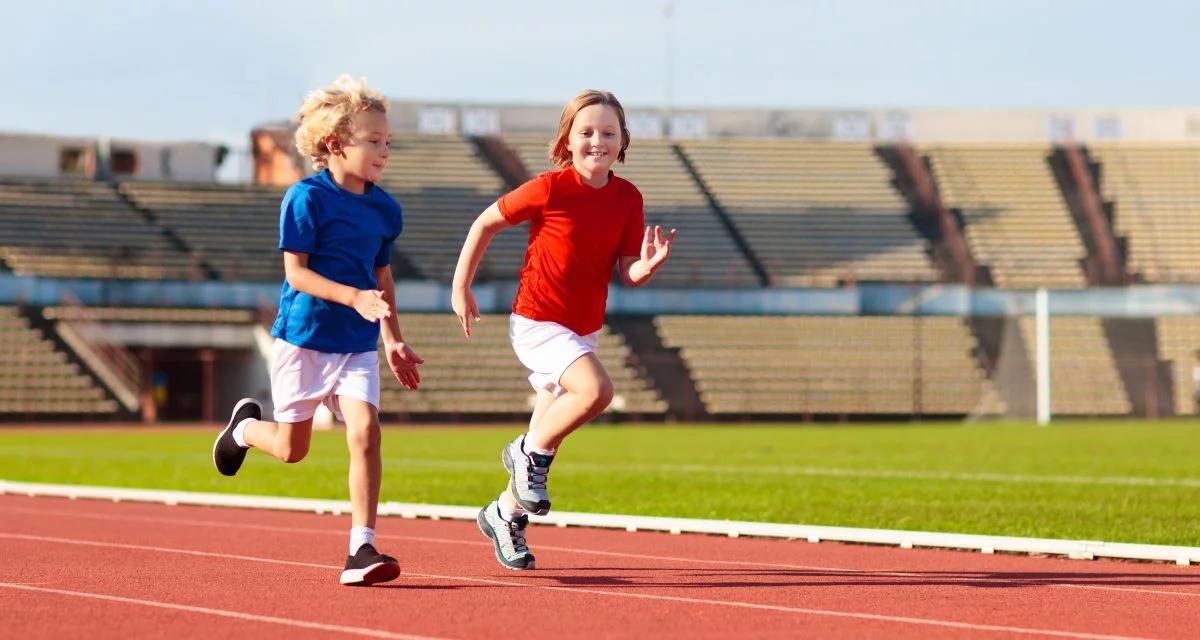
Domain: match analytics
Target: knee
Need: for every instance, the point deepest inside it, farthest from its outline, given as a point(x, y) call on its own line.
point(291, 453)
point(599, 394)
point(363, 438)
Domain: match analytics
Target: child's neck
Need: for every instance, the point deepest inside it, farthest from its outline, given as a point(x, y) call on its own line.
point(596, 181)
point(346, 180)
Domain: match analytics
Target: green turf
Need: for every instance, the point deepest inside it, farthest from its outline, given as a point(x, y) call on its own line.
point(845, 475)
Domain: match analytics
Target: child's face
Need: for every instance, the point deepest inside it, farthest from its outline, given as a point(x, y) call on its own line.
point(366, 150)
point(595, 139)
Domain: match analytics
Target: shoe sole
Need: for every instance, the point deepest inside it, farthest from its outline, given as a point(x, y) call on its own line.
point(481, 520)
point(374, 574)
point(237, 407)
point(536, 508)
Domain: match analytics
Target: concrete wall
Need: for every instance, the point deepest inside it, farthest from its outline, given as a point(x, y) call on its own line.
point(876, 125)
point(41, 156)
point(172, 161)
point(38, 156)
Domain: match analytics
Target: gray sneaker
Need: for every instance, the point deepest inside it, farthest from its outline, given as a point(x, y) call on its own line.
point(508, 537)
point(528, 473)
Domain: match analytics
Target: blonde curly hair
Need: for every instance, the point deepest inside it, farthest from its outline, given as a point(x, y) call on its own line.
point(329, 111)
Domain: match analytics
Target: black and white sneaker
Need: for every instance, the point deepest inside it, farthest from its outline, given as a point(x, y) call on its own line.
point(227, 455)
point(528, 474)
point(508, 537)
point(368, 566)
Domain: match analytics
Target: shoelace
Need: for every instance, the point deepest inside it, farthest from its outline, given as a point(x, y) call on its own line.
point(518, 537)
point(537, 475)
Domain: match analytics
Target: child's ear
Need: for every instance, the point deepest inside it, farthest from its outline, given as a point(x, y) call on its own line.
point(334, 144)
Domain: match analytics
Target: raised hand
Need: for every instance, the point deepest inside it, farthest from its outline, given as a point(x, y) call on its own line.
point(655, 248)
point(370, 305)
point(403, 362)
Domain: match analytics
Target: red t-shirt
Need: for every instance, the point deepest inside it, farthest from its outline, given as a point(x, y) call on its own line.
point(576, 234)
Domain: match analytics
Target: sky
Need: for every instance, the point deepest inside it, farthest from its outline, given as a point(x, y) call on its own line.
point(211, 70)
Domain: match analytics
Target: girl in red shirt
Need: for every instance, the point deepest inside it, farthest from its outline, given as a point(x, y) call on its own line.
point(583, 221)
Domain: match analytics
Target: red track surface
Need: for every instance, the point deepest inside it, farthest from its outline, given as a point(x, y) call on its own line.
point(103, 570)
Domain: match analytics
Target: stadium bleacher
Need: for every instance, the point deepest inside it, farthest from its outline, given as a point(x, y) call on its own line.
point(1178, 342)
point(483, 375)
point(234, 229)
point(443, 186)
point(82, 229)
point(828, 365)
point(1083, 373)
point(1016, 220)
point(37, 378)
point(1156, 190)
point(812, 214)
point(815, 213)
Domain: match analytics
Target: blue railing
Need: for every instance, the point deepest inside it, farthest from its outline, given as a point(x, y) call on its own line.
point(496, 297)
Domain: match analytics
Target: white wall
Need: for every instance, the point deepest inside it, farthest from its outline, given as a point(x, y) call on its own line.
point(36, 156)
point(918, 125)
point(39, 156)
point(173, 161)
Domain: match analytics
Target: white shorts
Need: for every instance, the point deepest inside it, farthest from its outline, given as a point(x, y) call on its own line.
point(548, 349)
point(303, 379)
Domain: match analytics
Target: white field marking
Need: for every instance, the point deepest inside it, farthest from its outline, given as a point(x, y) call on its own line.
point(903, 474)
point(1166, 592)
point(881, 573)
point(601, 592)
point(743, 564)
point(832, 472)
point(146, 547)
point(223, 613)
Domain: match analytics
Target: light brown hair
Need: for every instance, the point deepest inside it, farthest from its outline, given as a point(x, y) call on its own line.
point(560, 156)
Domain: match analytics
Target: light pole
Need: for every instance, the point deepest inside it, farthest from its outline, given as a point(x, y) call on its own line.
point(668, 9)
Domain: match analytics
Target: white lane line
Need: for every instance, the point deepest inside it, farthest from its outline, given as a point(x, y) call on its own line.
point(881, 573)
point(617, 594)
point(223, 613)
point(911, 474)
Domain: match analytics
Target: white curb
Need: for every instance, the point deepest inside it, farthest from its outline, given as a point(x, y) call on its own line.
point(1079, 549)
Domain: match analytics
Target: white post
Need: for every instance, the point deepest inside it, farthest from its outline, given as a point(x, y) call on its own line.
point(1042, 320)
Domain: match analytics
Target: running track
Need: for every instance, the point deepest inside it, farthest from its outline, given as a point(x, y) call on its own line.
point(117, 570)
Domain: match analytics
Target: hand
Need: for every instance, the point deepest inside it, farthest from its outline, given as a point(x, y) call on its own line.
point(655, 249)
point(465, 307)
point(370, 305)
point(403, 362)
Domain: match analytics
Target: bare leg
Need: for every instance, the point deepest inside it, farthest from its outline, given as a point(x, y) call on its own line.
point(366, 463)
point(543, 402)
point(589, 391)
point(286, 441)
point(508, 502)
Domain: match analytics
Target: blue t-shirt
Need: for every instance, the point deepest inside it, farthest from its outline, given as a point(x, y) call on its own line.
point(346, 236)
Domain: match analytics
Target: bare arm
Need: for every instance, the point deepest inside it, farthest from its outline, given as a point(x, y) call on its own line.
point(636, 271)
point(488, 224)
point(401, 359)
point(389, 327)
point(369, 304)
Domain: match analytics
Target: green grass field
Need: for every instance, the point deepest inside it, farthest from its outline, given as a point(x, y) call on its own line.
point(1121, 481)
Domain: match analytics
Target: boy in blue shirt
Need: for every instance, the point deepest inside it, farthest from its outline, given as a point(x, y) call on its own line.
point(336, 231)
